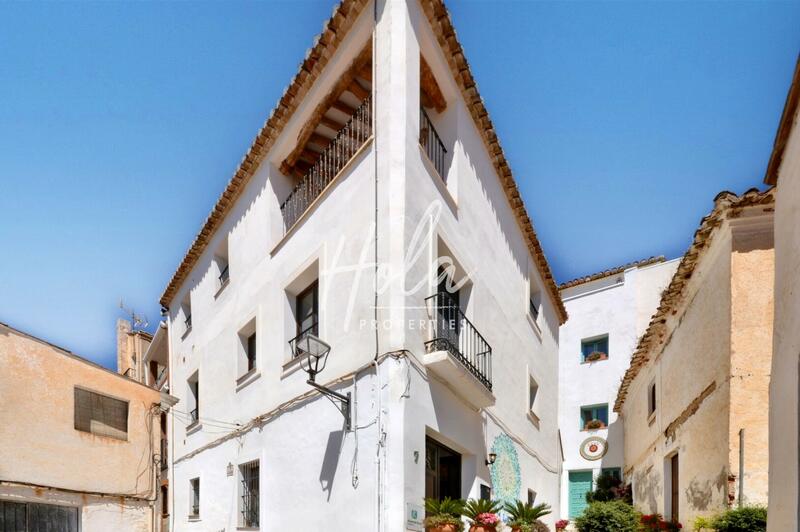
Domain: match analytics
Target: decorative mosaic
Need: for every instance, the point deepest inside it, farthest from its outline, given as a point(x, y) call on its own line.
point(506, 478)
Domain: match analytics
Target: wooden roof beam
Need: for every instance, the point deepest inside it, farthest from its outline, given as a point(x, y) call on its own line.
point(431, 94)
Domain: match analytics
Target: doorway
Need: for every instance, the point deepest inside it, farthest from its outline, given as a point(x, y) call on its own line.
point(442, 471)
point(580, 483)
point(672, 491)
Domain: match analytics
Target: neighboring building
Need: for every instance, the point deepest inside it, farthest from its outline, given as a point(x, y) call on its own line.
point(78, 443)
point(144, 357)
point(608, 312)
point(784, 172)
point(383, 124)
point(698, 381)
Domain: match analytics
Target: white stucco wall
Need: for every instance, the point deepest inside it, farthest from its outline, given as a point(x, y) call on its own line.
point(783, 432)
point(312, 475)
point(619, 306)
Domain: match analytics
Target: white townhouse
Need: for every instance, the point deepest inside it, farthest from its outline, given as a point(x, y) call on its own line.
point(608, 312)
point(366, 317)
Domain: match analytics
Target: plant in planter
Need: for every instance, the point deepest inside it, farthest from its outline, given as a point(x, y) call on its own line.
point(594, 424)
point(561, 524)
point(594, 356)
point(444, 515)
point(656, 522)
point(483, 514)
point(523, 517)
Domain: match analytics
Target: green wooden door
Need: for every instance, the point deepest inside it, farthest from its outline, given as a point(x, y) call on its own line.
point(580, 482)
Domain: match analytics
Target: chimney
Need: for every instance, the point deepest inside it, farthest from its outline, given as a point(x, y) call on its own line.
point(124, 346)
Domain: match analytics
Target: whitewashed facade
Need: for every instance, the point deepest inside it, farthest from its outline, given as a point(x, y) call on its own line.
point(607, 314)
point(249, 426)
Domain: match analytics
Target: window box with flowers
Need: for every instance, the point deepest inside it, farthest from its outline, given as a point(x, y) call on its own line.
point(594, 417)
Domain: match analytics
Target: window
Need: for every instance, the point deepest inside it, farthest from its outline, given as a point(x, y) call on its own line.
point(100, 414)
point(533, 391)
point(247, 349)
point(186, 308)
point(534, 299)
point(614, 472)
point(594, 349)
point(248, 496)
point(594, 417)
point(221, 260)
point(486, 493)
point(194, 501)
point(531, 497)
point(194, 399)
point(651, 399)
point(307, 312)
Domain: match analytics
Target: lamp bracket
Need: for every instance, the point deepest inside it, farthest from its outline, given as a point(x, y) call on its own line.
point(343, 399)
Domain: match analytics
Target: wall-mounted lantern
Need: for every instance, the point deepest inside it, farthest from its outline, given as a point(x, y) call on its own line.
point(492, 458)
point(314, 355)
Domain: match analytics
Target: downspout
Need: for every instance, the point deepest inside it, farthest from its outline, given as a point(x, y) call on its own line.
point(741, 467)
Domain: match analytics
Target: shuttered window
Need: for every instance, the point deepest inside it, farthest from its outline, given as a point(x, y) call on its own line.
point(100, 414)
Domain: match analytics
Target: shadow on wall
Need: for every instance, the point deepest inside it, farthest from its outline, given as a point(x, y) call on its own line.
point(331, 461)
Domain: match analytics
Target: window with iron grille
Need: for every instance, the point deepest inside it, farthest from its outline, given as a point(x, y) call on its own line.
point(100, 414)
point(194, 509)
point(248, 504)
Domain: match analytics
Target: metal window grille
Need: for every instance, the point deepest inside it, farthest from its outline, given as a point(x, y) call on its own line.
point(249, 493)
point(100, 414)
point(194, 511)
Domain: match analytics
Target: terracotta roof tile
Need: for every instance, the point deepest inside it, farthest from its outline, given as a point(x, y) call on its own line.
point(611, 271)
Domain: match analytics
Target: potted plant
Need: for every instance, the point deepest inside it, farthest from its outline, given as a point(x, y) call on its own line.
point(483, 514)
point(594, 424)
point(594, 356)
point(562, 524)
point(656, 522)
point(444, 515)
point(523, 517)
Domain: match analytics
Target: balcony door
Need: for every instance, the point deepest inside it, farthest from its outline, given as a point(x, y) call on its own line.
point(442, 471)
point(448, 306)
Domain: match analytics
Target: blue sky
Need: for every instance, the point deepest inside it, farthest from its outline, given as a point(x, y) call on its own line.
point(120, 124)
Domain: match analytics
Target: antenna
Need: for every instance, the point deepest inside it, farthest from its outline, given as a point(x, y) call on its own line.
point(138, 321)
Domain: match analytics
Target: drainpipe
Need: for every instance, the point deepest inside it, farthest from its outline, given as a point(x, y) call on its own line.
point(741, 467)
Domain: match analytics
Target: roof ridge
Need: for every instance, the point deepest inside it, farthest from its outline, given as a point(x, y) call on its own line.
point(726, 204)
point(655, 259)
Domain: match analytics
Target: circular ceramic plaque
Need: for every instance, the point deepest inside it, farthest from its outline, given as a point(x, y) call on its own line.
point(594, 448)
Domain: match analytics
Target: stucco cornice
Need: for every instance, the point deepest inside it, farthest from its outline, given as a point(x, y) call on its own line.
point(784, 127)
point(726, 206)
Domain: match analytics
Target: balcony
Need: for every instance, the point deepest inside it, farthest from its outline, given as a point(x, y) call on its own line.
point(457, 352)
point(432, 144)
point(329, 162)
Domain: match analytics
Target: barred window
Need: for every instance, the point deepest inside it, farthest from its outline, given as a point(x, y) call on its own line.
point(194, 508)
point(100, 414)
point(248, 506)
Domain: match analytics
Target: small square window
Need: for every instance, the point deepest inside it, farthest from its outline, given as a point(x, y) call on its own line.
point(247, 349)
point(193, 402)
point(614, 472)
point(594, 349)
point(486, 492)
point(194, 502)
point(186, 308)
point(594, 417)
point(533, 392)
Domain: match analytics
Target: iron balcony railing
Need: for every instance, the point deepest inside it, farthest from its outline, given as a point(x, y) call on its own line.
point(224, 276)
point(194, 416)
point(431, 142)
point(313, 329)
point(188, 322)
point(161, 379)
point(341, 149)
point(453, 332)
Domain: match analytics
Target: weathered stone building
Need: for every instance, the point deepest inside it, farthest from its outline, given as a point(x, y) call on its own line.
point(784, 172)
point(79, 444)
point(697, 386)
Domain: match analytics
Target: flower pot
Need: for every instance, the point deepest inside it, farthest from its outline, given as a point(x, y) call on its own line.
point(483, 528)
point(441, 528)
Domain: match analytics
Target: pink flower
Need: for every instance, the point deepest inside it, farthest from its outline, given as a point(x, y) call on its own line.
point(487, 518)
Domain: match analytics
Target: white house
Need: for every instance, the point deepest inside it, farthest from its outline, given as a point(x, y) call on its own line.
point(608, 311)
point(374, 212)
point(784, 172)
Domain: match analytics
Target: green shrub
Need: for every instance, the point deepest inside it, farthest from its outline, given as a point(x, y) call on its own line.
point(611, 516)
point(702, 524)
point(445, 512)
point(520, 512)
point(744, 519)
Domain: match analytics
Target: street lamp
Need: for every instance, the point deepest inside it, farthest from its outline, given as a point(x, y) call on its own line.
point(313, 354)
point(492, 458)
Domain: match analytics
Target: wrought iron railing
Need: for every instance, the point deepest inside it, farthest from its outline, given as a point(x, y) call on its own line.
point(453, 332)
point(130, 373)
point(194, 416)
point(313, 329)
point(188, 322)
point(224, 275)
point(331, 161)
point(161, 379)
point(431, 142)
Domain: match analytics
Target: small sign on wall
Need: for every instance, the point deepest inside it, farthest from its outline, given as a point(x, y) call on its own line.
point(415, 515)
